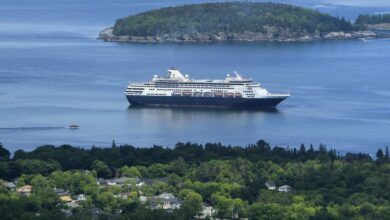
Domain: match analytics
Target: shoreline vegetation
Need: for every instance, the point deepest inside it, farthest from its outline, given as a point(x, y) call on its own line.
point(379, 22)
point(194, 181)
point(235, 22)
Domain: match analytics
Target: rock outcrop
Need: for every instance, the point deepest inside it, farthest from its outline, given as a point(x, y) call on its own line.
point(272, 34)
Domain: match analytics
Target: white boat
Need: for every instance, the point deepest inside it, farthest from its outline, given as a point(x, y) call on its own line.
point(178, 89)
point(74, 126)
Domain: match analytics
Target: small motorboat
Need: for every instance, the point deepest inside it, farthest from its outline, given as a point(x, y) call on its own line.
point(74, 126)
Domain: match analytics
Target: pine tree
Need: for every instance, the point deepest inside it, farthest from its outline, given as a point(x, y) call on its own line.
point(4, 153)
point(113, 145)
point(379, 154)
point(302, 149)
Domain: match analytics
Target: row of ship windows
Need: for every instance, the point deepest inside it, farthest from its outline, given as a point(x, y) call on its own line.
point(161, 94)
point(199, 84)
point(183, 86)
point(178, 90)
point(156, 94)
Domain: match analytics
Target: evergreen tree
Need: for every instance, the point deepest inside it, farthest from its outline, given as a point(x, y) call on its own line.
point(302, 149)
point(380, 155)
point(113, 145)
point(229, 17)
point(4, 153)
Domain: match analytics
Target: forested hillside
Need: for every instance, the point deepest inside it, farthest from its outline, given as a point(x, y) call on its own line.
point(228, 17)
point(373, 19)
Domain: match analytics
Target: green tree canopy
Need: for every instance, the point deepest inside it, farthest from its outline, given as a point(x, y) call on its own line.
point(101, 169)
point(228, 17)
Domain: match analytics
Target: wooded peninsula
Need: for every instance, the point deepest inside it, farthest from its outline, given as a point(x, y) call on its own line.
point(232, 22)
point(194, 181)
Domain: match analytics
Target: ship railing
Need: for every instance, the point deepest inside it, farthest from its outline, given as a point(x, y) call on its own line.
point(207, 94)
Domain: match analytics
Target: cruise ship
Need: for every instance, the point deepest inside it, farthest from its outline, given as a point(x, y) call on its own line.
point(177, 89)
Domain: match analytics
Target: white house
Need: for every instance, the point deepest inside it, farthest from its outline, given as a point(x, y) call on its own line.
point(10, 185)
point(207, 212)
point(166, 201)
point(284, 188)
point(140, 183)
point(270, 185)
point(81, 197)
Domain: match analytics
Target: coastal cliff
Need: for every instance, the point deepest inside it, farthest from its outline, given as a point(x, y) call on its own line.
point(232, 22)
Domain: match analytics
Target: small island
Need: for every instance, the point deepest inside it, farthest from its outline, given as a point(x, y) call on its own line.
point(232, 22)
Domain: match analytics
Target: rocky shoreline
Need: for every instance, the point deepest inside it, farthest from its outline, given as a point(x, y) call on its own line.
point(379, 27)
point(271, 35)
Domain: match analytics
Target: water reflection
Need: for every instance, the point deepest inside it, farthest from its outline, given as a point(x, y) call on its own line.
point(154, 124)
point(182, 120)
point(205, 109)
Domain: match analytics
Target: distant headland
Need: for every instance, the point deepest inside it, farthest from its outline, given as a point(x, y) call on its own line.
point(374, 22)
point(233, 22)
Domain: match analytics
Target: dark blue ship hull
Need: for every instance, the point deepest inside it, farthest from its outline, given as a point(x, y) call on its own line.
point(270, 102)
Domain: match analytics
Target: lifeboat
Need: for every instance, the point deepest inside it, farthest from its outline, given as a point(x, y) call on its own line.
point(207, 94)
point(218, 94)
point(187, 93)
point(229, 94)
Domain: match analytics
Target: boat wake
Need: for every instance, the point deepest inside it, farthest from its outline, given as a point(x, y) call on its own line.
point(26, 129)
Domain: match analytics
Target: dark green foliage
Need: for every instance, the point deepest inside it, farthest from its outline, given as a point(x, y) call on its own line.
point(101, 168)
point(228, 17)
point(379, 154)
point(71, 158)
point(27, 208)
point(231, 179)
point(192, 204)
point(373, 19)
point(4, 153)
point(14, 168)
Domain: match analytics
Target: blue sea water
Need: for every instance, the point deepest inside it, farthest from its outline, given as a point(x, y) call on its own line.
point(53, 72)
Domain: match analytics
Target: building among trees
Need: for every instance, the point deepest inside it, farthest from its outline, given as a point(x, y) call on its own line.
point(284, 188)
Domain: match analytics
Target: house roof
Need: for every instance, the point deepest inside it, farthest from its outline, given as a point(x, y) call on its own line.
point(168, 197)
point(123, 180)
point(9, 185)
point(25, 188)
point(143, 198)
point(66, 198)
point(58, 190)
point(102, 181)
point(164, 197)
point(72, 205)
point(152, 181)
point(270, 183)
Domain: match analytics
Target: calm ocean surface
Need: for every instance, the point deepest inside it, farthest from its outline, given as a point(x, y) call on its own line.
point(54, 72)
